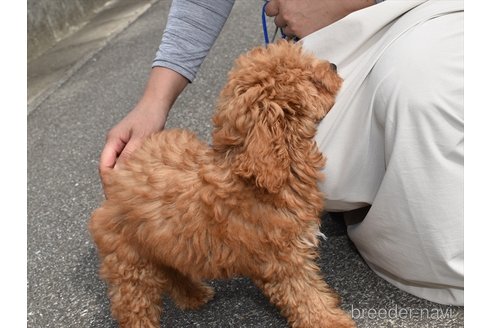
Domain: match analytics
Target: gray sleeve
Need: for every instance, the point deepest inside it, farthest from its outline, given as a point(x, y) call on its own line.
point(191, 30)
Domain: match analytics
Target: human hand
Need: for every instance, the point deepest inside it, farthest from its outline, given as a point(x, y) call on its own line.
point(126, 136)
point(148, 117)
point(299, 18)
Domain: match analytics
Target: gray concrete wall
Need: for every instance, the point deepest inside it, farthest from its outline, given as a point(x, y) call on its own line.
point(50, 20)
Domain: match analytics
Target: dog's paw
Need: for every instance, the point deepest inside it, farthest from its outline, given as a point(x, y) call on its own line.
point(331, 319)
point(342, 320)
point(192, 301)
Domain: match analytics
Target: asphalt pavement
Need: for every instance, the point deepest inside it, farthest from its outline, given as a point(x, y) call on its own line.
point(66, 132)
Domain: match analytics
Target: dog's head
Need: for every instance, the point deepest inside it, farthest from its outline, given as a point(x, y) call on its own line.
point(270, 106)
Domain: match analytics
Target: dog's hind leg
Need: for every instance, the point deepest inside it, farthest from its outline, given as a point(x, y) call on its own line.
point(304, 298)
point(186, 292)
point(135, 284)
point(135, 288)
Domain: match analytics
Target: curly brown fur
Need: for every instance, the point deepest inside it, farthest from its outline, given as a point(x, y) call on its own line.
point(179, 212)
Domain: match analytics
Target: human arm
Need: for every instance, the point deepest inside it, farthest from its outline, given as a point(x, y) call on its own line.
point(301, 18)
point(149, 115)
point(191, 30)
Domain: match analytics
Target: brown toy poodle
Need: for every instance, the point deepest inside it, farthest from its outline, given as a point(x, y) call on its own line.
point(180, 211)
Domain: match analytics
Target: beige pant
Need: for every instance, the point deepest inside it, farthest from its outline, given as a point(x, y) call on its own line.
point(394, 140)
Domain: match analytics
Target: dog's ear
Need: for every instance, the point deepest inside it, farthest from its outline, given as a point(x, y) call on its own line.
point(265, 157)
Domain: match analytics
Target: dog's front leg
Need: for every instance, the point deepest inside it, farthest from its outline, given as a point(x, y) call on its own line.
point(304, 298)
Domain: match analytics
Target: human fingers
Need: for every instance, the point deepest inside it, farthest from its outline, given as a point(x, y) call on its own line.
point(288, 32)
point(280, 21)
point(272, 8)
point(113, 147)
point(133, 144)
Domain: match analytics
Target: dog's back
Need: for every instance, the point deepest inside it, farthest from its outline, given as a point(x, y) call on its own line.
point(163, 165)
point(156, 184)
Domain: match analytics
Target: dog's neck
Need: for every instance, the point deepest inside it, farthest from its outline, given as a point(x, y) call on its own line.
point(304, 171)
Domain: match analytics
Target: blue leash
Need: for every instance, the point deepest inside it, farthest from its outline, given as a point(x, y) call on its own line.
point(265, 29)
point(263, 21)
